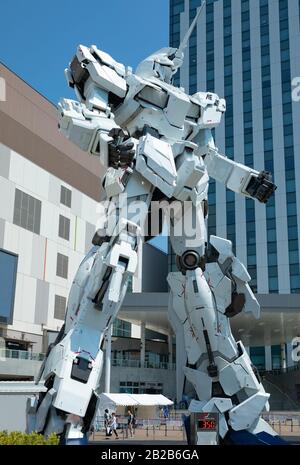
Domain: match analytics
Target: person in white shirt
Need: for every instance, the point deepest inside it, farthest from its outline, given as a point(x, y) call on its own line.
point(113, 424)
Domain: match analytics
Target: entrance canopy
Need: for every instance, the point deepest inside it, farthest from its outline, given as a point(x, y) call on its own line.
point(144, 406)
point(134, 400)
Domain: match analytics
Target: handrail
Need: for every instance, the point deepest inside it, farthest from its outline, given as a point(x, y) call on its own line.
point(129, 363)
point(21, 355)
point(133, 363)
point(279, 371)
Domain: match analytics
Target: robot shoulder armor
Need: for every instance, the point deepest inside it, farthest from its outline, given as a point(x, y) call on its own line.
point(103, 70)
point(205, 99)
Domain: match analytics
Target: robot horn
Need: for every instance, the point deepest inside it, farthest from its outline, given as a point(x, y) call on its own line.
point(183, 45)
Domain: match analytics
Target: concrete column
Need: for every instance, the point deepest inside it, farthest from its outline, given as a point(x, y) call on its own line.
point(268, 355)
point(283, 356)
point(108, 359)
point(143, 345)
point(170, 348)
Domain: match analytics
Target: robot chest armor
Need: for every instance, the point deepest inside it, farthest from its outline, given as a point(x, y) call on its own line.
point(157, 105)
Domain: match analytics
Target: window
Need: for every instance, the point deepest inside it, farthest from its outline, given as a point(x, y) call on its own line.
point(62, 266)
point(276, 357)
point(8, 273)
point(65, 196)
point(258, 357)
point(121, 328)
point(27, 212)
point(64, 227)
point(131, 387)
point(60, 304)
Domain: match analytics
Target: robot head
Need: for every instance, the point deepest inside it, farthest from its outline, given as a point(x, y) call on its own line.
point(162, 64)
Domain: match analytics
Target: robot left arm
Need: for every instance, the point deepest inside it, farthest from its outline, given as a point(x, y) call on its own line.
point(96, 78)
point(239, 178)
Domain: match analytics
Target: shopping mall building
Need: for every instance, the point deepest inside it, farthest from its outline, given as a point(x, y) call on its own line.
point(48, 207)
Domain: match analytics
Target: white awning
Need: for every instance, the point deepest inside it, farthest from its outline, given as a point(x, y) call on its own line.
point(134, 399)
point(152, 399)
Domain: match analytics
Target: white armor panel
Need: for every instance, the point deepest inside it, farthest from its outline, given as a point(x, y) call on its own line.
point(201, 382)
point(102, 74)
point(156, 163)
point(220, 285)
point(245, 414)
point(212, 109)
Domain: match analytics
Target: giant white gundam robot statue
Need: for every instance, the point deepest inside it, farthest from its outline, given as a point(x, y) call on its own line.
point(157, 143)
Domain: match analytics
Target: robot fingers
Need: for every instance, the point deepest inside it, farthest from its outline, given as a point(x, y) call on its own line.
point(261, 187)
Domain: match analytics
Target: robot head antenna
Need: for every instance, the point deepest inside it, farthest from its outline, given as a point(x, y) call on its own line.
point(164, 63)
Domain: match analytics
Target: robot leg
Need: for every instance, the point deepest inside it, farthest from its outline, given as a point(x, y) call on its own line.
point(73, 366)
point(219, 368)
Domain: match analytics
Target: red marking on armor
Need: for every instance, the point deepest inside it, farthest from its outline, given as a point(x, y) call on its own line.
point(86, 352)
point(210, 284)
point(193, 333)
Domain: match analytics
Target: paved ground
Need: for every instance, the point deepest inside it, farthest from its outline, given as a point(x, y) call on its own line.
point(141, 437)
point(158, 437)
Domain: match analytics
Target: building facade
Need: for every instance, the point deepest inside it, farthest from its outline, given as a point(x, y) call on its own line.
point(247, 52)
point(49, 193)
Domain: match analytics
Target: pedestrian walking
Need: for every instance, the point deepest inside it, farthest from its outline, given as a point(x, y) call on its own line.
point(113, 424)
point(106, 422)
point(130, 422)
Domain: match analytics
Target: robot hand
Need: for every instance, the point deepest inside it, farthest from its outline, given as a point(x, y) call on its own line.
point(121, 149)
point(261, 187)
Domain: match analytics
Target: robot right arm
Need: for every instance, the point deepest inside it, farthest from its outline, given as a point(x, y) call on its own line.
point(235, 176)
point(97, 80)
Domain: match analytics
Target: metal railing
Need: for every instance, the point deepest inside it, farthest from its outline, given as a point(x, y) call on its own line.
point(21, 355)
point(133, 363)
point(148, 425)
point(127, 363)
point(284, 423)
point(279, 371)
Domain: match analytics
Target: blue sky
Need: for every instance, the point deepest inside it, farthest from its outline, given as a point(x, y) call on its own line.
point(39, 38)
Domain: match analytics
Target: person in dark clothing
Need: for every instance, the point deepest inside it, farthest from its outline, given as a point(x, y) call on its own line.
point(106, 422)
point(130, 422)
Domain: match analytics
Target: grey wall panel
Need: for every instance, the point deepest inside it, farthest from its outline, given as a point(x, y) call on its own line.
point(89, 234)
point(54, 190)
point(37, 258)
point(77, 203)
point(4, 161)
point(13, 412)
point(42, 302)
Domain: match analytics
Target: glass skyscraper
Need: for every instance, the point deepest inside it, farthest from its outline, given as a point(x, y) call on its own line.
point(248, 52)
